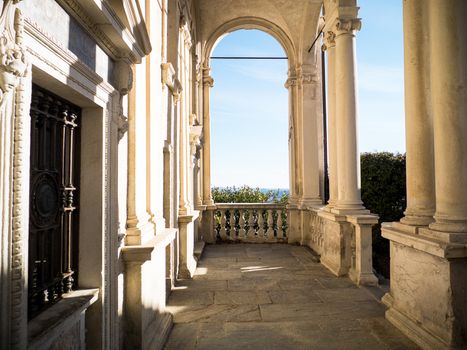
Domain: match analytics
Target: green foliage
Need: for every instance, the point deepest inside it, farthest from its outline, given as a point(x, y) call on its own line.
point(384, 193)
point(247, 194)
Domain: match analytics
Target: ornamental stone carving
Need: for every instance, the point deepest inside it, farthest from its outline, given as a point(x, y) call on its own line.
point(329, 40)
point(13, 64)
point(14, 116)
point(208, 81)
point(291, 81)
point(347, 25)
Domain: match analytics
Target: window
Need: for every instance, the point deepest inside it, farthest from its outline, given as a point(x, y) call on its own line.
point(54, 199)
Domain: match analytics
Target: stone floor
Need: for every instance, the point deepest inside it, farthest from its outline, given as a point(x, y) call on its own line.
point(275, 296)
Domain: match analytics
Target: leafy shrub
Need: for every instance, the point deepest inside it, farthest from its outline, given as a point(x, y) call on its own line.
point(247, 194)
point(384, 193)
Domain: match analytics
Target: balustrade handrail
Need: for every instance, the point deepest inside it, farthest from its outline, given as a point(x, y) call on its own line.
point(250, 205)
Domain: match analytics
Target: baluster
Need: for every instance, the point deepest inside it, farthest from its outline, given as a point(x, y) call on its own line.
point(233, 229)
point(280, 232)
point(241, 222)
point(249, 222)
point(270, 221)
point(222, 230)
point(254, 223)
point(285, 223)
point(261, 231)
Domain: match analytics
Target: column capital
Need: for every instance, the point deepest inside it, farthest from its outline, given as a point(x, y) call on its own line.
point(208, 80)
point(291, 81)
point(347, 26)
point(329, 40)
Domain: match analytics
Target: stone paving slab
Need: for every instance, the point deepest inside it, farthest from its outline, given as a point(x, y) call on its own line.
point(275, 296)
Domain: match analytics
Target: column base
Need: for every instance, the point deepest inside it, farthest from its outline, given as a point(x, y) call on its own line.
point(428, 298)
point(453, 226)
point(350, 210)
point(305, 203)
point(209, 202)
point(141, 233)
point(418, 218)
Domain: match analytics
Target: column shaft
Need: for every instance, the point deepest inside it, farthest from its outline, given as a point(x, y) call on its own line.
point(184, 161)
point(448, 41)
point(208, 83)
point(310, 139)
point(348, 158)
point(418, 119)
point(332, 139)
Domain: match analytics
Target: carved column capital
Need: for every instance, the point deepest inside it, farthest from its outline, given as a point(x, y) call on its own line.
point(291, 81)
point(329, 40)
point(347, 25)
point(208, 81)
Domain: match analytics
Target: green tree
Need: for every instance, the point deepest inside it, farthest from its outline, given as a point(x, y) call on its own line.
point(384, 193)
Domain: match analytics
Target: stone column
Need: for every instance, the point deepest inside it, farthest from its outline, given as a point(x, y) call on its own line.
point(208, 83)
point(310, 138)
point(448, 39)
point(330, 45)
point(294, 173)
point(418, 119)
point(348, 157)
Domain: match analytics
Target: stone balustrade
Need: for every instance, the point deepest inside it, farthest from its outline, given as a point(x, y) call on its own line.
point(250, 222)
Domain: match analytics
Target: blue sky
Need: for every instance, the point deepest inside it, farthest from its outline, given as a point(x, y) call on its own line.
point(249, 102)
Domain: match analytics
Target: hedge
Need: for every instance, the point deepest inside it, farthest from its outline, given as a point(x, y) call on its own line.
point(384, 193)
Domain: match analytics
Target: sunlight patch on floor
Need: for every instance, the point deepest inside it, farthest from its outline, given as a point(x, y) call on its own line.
point(259, 268)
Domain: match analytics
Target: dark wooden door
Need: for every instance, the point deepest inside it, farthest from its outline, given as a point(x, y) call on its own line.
point(54, 198)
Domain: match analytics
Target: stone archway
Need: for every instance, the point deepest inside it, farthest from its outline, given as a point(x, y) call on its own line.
point(302, 84)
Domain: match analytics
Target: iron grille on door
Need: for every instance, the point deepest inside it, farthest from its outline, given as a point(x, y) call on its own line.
point(54, 179)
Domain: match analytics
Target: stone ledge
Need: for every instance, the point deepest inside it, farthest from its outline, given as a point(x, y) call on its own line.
point(143, 252)
point(425, 244)
point(365, 219)
point(50, 324)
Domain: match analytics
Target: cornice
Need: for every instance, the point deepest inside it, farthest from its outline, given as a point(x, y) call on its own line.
point(104, 25)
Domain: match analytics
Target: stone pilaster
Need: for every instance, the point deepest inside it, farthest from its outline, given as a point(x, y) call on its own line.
point(139, 227)
point(309, 105)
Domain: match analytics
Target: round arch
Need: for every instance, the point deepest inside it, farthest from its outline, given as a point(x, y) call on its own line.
point(250, 23)
point(304, 190)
